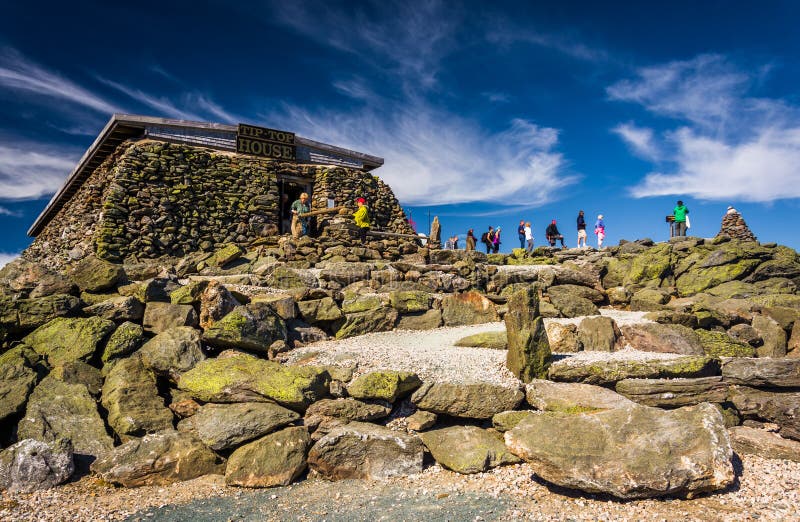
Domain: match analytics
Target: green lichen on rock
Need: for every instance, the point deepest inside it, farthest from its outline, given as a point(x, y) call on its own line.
point(613, 371)
point(650, 267)
point(380, 319)
point(467, 449)
point(17, 378)
point(492, 340)
point(252, 327)
point(125, 340)
point(720, 344)
point(697, 280)
point(386, 385)
point(188, 294)
point(508, 420)
point(410, 301)
point(95, 275)
point(70, 339)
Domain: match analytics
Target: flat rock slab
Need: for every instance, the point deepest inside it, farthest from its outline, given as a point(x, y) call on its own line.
point(350, 409)
point(571, 397)
point(782, 408)
point(30, 465)
point(613, 370)
point(662, 338)
point(474, 401)
point(223, 426)
point(69, 339)
point(157, 459)
point(770, 373)
point(673, 393)
point(492, 340)
point(467, 449)
point(631, 452)
point(366, 451)
point(274, 460)
point(752, 441)
point(387, 385)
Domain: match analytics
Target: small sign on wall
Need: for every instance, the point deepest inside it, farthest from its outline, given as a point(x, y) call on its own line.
point(266, 143)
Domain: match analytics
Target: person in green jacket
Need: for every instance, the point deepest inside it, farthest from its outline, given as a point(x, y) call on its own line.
point(680, 218)
point(361, 216)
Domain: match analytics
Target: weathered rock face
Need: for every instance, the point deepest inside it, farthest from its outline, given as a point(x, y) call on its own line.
point(95, 275)
point(508, 420)
point(25, 279)
point(662, 338)
point(563, 338)
point(468, 308)
point(243, 378)
point(612, 371)
point(319, 310)
point(157, 459)
point(473, 401)
point(773, 336)
point(251, 327)
point(23, 315)
point(369, 451)
point(420, 321)
point(59, 410)
point(572, 397)
point(467, 449)
point(380, 319)
point(720, 344)
point(30, 465)
point(630, 452)
point(768, 373)
point(571, 305)
point(752, 441)
point(131, 397)
point(598, 334)
point(348, 408)
point(385, 385)
point(173, 351)
point(528, 354)
point(125, 340)
point(215, 303)
point(159, 317)
point(274, 460)
point(491, 340)
point(223, 426)
point(64, 340)
point(118, 309)
point(782, 408)
point(17, 378)
point(671, 393)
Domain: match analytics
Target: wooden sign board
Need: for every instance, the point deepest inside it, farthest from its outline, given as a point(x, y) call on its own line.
point(266, 143)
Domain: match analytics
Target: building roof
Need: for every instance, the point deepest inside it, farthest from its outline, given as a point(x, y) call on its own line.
point(220, 136)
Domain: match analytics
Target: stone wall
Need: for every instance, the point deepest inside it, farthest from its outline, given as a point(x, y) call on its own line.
point(152, 199)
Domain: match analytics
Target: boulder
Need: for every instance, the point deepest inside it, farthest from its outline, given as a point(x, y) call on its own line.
point(301, 333)
point(28, 279)
point(289, 278)
point(673, 317)
point(17, 378)
point(773, 336)
point(70, 339)
point(629, 452)
point(79, 373)
point(618, 296)
point(472, 401)
point(282, 304)
point(467, 449)
point(571, 397)
point(227, 254)
point(766, 444)
point(420, 321)
point(158, 459)
point(563, 338)
point(27, 314)
point(189, 294)
point(410, 301)
point(672, 393)
point(585, 292)
point(697, 280)
point(350, 409)
point(125, 340)
point(359, 450)
point(649, 300)
point(746, 334)
point(508, 420)
point(421, 420)
point(571, 305)
point(173, 351)
point(275, 460)
point(385, 385)
point(528, 355)
point(345, 273)
point(130, 396)
point(662, 338)
point(252, 327)
point(31, 465)
point(317, 311)
point(598, 334)
point(216, 302)
point(95, 275)
point(118, 309)
point(59, 410)
point(468, 308)
point(720, 344)
point(159, 316)
point(224, 426)
point(793, 346)
point(243, 378)
point(780, 407)
point(765, 373)
point(611, 371)
point(491, 340)
point(380, 319)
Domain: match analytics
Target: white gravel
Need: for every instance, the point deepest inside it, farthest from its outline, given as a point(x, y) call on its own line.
point(621, 317)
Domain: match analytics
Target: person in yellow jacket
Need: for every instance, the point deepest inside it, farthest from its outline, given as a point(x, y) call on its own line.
point(361, 216)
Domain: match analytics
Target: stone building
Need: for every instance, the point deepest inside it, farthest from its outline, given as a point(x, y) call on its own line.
point(149, 187)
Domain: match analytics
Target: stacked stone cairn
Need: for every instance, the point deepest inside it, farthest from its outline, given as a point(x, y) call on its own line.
point(734, 226)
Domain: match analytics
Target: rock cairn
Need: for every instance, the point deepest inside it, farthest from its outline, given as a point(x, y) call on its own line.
point(734, 226)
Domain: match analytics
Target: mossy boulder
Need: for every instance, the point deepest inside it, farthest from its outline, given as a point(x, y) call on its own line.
point(697, 280)
point(650, 267)
point(491, 340)
point(595, 296)
point(380, 319)
point(125, 340)
point(611, 371)
point(70, 339)
point(17, 379)
point(354, 303)
point(386, 385)
point(24, 315)
point(649, 300)
point(252, 327)
point(227, 254)
point(720, 344)
point(410, 301)
point(570, 305)
point(173, 352)
point(571, 397)
point(507, 420)
point(188, 294)
point(528, 353)
point(290, 278)
point(243, 378)
point(159, 317)
point(95, 275)
point(274, 460)
point(467, 449)
point(319, 310)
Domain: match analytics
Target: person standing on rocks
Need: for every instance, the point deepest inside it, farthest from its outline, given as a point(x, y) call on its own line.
point(361, 217)
point(553, 234)
point(581, 229)
point(300, 223)
point(529, 237)
point(521, 233)
point(496, 241)
point(600, 231)
point(681, 213)
point(471, 241)
point(487, 239)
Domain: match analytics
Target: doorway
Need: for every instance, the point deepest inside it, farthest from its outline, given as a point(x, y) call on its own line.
point(290, 190)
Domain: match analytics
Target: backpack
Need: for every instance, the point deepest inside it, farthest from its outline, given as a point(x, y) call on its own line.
point(485, 237)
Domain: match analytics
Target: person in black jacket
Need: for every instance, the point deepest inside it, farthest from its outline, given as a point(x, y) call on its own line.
point(581, 229)
point(552, 234)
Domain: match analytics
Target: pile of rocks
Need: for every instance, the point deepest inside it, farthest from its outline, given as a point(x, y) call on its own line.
point(733, 226)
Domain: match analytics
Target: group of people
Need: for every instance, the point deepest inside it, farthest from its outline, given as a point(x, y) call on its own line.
point(301, 208)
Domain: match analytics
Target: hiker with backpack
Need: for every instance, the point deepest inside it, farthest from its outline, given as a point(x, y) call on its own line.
point(487, 238)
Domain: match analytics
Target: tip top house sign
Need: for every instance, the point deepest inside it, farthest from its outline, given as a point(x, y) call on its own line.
point(266, 143)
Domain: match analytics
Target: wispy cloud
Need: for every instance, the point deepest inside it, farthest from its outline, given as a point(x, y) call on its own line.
point(506, 32)
point(18, 73)
point(161, 104)
point(30, 171)
point(728, 145)
point(8, 212)
point(497, 97)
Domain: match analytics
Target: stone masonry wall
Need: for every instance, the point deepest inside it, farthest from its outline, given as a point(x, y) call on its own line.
point(152, 199)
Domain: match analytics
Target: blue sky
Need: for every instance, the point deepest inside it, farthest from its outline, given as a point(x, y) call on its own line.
point(485, 114)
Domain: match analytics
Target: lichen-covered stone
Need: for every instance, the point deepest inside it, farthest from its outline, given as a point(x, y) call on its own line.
point(611, 371)
point(467, 449)
point(118, 309)
point(319, 310)
point(720, 344)
point(662, 338)
point(763, 373)
point(598, 334)
point(95, 275)
point(350, 409)
point(17, 378)
point(159, 317)
point(410, 301)
point(252, 327)
point(472, 401)
point(468, 308)
point(173, 352)
point(274, 460)
point(507, 420)
point(385, 385)
point(70, 339)
point(380, 319)
point(420, 321)
point(672, 393)
point(492, 340)
point(125, 340)
point(571, 397)
point(528, 355)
